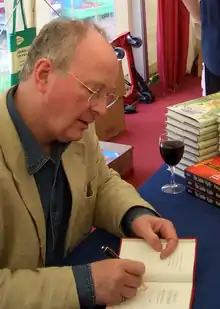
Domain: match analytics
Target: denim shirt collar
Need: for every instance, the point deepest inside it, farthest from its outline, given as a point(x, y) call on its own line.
point(35, 155)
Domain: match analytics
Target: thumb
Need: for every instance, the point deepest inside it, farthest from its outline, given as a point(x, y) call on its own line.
point(152, 239)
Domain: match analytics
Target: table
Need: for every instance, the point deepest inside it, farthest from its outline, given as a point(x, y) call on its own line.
point(192, 218)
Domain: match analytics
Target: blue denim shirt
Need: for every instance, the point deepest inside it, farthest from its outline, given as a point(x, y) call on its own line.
point(56, 201)
point(210, 26)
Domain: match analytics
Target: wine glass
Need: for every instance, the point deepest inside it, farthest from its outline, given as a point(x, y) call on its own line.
point(171, 151)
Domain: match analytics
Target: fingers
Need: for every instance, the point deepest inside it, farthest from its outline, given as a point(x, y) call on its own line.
point(152, 239)
point(170, 248)
point(134, 268)
point(168, 232)
point(128, 292)
point(132, 281)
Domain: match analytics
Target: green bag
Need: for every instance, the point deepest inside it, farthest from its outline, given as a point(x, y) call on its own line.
point(19, 43)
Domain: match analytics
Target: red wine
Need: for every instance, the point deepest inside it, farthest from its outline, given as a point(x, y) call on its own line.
point(172, 152)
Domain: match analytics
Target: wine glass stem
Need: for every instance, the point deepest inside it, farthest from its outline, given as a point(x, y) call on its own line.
point(172, 177)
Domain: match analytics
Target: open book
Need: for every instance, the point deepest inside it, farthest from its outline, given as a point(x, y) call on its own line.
point(169, 283)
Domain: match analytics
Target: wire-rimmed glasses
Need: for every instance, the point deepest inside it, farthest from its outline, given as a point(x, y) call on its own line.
point(97, 95)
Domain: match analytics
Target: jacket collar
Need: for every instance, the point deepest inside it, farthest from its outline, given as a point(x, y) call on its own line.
point(13, 154)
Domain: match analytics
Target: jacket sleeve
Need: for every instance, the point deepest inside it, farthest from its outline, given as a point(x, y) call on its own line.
point(46, 288)
point(114, 197)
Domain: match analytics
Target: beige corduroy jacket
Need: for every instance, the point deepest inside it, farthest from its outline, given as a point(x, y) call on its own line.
point(100, 198)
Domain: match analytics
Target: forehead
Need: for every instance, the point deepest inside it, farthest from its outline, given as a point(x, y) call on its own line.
point(95, 59)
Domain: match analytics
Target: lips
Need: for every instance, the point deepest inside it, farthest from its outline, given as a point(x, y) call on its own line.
point(85, 122)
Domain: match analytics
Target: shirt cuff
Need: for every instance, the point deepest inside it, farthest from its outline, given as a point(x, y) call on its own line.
point(84, 286)
point(134, 213)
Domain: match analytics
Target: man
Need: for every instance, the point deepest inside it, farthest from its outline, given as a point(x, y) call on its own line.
point(54, 183)
point(208, 13)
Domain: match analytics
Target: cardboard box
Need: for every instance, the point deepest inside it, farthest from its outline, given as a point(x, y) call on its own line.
point(118, 157)
point(112, 123)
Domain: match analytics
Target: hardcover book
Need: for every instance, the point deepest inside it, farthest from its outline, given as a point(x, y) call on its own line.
point(168, 283)
point(203, 196)
point(206, 173)
point(200, 112)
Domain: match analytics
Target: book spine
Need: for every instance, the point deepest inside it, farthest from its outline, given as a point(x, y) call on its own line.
point(200, 195)
point(206, 187)
point(206, 184)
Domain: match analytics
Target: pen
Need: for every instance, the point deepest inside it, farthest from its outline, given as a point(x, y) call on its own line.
point(108, 251)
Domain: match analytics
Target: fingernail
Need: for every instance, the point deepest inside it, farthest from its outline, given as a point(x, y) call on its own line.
point(163, 256)
point(159, 248)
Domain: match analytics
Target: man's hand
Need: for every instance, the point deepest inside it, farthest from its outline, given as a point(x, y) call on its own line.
point(149, 227)
point(116, 279)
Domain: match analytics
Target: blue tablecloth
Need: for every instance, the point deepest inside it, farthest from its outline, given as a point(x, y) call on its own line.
point(192, 218)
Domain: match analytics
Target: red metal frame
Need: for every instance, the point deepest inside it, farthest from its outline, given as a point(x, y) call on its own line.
point(121, 41)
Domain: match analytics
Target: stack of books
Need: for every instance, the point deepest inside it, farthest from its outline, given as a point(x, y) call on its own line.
point(195, 121)
point(218, 133)
point(203, 180)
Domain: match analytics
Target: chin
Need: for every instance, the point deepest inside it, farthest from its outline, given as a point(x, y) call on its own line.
point(74, 137)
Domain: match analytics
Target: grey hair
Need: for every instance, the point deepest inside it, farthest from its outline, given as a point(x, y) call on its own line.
point(57, 41)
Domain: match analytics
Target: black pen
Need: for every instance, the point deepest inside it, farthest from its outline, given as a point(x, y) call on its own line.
point(108, 251)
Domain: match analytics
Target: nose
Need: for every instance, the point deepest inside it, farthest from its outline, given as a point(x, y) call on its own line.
point(100, 108)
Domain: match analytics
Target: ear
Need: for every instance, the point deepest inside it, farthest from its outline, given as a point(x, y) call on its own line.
point(42, 70)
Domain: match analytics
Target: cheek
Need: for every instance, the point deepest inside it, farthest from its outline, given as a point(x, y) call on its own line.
point(75, 108)
point(66, 103)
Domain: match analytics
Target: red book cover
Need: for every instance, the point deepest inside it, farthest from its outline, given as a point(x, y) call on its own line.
point(206, 172)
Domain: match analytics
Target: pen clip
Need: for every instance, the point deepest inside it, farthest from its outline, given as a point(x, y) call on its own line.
point(110, 252)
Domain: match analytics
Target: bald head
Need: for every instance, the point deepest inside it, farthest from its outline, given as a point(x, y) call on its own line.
point(57, 41)
point(96, 60)
point(70, 75)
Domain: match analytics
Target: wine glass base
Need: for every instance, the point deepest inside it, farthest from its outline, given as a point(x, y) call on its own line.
point(173, 189)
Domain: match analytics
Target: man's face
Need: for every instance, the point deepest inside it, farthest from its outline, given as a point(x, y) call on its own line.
point(66, 101)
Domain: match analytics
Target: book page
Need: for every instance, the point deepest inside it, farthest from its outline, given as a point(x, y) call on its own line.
point(178, 267)
point(162, 296)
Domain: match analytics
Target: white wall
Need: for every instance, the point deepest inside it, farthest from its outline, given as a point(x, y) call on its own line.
point(43, 15)
point(138, 30)
point(151, 16)
point(121, 15)
point(28, 6)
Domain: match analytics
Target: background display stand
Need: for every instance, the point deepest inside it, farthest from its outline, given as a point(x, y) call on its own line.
point(87, 9)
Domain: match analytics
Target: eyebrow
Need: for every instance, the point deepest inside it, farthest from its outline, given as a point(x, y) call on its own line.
point(113, 89)
point(101, 87)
